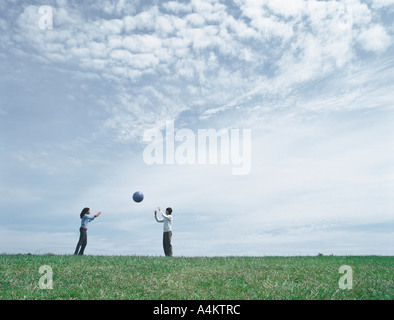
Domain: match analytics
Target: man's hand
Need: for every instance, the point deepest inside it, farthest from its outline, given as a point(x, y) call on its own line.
point(159, 208)
point(155, 212)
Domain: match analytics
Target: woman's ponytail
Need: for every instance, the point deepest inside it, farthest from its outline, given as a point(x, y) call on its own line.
point(84, 211)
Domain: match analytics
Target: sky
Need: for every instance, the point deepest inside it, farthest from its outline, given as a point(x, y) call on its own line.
point(307, 85)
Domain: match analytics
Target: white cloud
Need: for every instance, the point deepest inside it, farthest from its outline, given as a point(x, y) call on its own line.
point(121, 7)
point(382, 3)
point(146, 20)
point(287, 8)
point(142, 43)
point(166, 39)
point(114, 26)
point(241, 29)
point(375, 39)
point(177, 7)
point(195, 20)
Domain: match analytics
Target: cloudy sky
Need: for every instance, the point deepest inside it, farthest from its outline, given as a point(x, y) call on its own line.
point(313, 81)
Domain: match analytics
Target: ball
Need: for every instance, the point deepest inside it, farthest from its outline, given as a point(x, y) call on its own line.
point(138, 196)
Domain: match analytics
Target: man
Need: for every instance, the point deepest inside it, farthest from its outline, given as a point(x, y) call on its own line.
point(167, 230)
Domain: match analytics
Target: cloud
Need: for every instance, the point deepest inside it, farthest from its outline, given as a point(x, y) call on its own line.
point(199, 56)
point(121, 7)
point(113, 26)
point(299, 35)
point(382, 3)
point(375, 39)
point(176, 7)
point(288, 8)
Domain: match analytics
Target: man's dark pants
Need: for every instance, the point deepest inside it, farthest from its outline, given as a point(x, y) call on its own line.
point(167, 243)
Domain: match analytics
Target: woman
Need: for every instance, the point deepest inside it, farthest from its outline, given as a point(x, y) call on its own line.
point(83, 236)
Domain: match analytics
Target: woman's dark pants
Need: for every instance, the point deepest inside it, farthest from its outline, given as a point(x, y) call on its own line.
point(83, 241)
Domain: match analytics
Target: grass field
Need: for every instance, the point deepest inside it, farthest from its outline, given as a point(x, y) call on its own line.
point(230, 278)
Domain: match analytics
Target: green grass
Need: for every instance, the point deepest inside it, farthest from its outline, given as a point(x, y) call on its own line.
point(232, 278)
